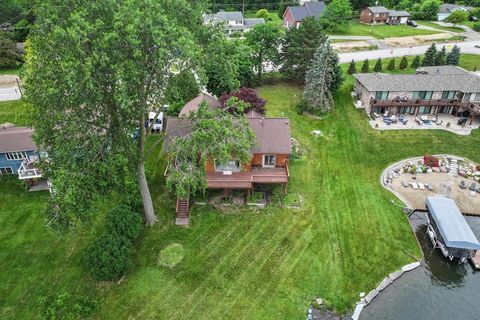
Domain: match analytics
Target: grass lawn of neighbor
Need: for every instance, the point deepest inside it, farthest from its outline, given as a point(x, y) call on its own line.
point(9, 71)
point(437, 26)
point(246, 263)
point(382, 31)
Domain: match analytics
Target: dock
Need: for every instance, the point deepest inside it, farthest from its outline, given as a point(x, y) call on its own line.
point(476, 261)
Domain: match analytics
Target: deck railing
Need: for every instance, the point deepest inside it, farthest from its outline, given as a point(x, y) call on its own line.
point(28, 170)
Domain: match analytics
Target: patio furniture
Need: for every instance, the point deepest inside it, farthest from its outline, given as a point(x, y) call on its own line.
point(385, 114)
point(421, 186)
point(376, 115)
point(424, 118)
point(405, 184)
point(462, 121)
point(478, 189)
point(414, 185)
point(404, 121)
point(387, 121)
point(463, 185)
point(439, 122)
point(473, 186)
point(393, 119)
point(429, 187)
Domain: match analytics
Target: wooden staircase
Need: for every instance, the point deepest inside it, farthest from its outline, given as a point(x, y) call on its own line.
point(182, 212)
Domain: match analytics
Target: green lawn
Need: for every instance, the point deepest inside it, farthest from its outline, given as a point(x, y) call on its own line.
point(14, 112)
point(265, 264)
point(437, 26)
point(382, 31)
point(9, 71)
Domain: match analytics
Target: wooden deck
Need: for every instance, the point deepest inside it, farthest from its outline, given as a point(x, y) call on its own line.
point(246, 179)
point(476, 261)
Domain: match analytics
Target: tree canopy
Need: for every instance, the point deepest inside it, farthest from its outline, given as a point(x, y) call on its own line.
point(216, 135)
point(93, 70)
point(457, 16)
point(298, 49)
point(337, 15)
point(264, 39)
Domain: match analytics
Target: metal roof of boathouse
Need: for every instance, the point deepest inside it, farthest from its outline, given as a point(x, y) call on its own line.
point(452, 225)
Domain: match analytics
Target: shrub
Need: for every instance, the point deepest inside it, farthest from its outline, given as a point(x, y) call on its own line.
point(67, 306)
point(302, 107)
point(248, 95)
point(391, 64)
point(262, 13)
point(378, 66)
point(476, 26)
point(403, 63)
point(123, 221)
point(109, 257)
point(431, 161)
point(365, 66)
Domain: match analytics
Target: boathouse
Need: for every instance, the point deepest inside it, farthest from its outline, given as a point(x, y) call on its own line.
point(449, 231)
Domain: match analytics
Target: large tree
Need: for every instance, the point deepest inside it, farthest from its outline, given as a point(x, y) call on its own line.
point(299, 47)
point(430, 56)
point(264, 39)
point(214, 134)
point(453, 57)
point(457, 17)
point(337, 15)
point(9, 56)
point(321, 80)
point(94, 69)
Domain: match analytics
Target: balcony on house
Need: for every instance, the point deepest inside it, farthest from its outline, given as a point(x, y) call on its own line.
point(29, 169)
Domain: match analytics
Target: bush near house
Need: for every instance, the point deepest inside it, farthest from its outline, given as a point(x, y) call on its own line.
point(431, 161)
point(123, 221)
point(476, 26)
point(67, 306)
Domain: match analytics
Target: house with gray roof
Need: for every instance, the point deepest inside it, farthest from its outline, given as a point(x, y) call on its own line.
point(294, 15)
point(447, 8)
point(233, 21)
point(431, 91)
point(268, 164)
point(374, 15)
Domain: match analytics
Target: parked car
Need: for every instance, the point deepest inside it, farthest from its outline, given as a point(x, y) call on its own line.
point(412, 23)
point(473, 18)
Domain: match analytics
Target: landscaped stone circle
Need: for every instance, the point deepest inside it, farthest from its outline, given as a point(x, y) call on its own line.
point(171, 255)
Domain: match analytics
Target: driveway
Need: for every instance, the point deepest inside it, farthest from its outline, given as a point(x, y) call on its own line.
point(465, 47)
point(8, 88)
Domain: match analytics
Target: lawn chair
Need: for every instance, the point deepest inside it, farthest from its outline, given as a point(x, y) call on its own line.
point(429, 187)
point(478, 189)
point(463, 185)
point(421, 186)
point(473, 186)
point(405, 184)
point(414, 185)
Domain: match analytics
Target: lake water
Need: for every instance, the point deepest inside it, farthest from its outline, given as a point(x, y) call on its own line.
point(440, 289)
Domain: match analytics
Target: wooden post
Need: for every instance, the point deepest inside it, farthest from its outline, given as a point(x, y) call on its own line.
point(473, 118)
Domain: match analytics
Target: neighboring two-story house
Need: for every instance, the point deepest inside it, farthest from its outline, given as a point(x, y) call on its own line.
point(233, 21)
point(268, 165)
point(431, 91)
point(294, 15)
point(18, 153)
point(373, 15)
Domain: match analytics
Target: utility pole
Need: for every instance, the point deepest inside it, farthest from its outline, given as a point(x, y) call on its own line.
point(243, 7)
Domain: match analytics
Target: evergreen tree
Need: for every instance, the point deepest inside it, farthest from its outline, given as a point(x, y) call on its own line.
point(391, 64)
point(378, 66)
point(403, 63)
point(320, 79)
point(416, 62)
point(453, 57)
point(441, 57)
point(365, 66)
point(352, 68)
point(298, 48)
point(430, 56)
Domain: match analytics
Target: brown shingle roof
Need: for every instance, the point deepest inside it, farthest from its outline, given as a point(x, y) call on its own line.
point(192, 106)
point(273, 134)
point(14, 139)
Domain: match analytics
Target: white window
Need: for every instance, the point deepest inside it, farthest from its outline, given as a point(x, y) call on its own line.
point(232, 165)
point(16, 155)
point(477, 97)
point(269, 160)
point(6, 170)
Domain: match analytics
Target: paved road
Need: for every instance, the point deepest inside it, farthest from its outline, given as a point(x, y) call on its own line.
point(11, 93)
point(466, 47)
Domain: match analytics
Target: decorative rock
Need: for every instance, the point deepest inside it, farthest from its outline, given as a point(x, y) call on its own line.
point(385, 283)
point(319, 301)
point(436, 169)
point(358, 310)
point(395, 275)
point(429, 170)
point(410, 266)
point(443, 169)
point(370, 296)
point(362, 294)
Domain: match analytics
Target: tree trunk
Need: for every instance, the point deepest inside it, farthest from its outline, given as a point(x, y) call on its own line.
point(150, 217)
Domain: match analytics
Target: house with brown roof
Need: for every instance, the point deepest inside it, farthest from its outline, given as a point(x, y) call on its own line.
point(18, 153)
point(374, 15)
point(268, 164)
